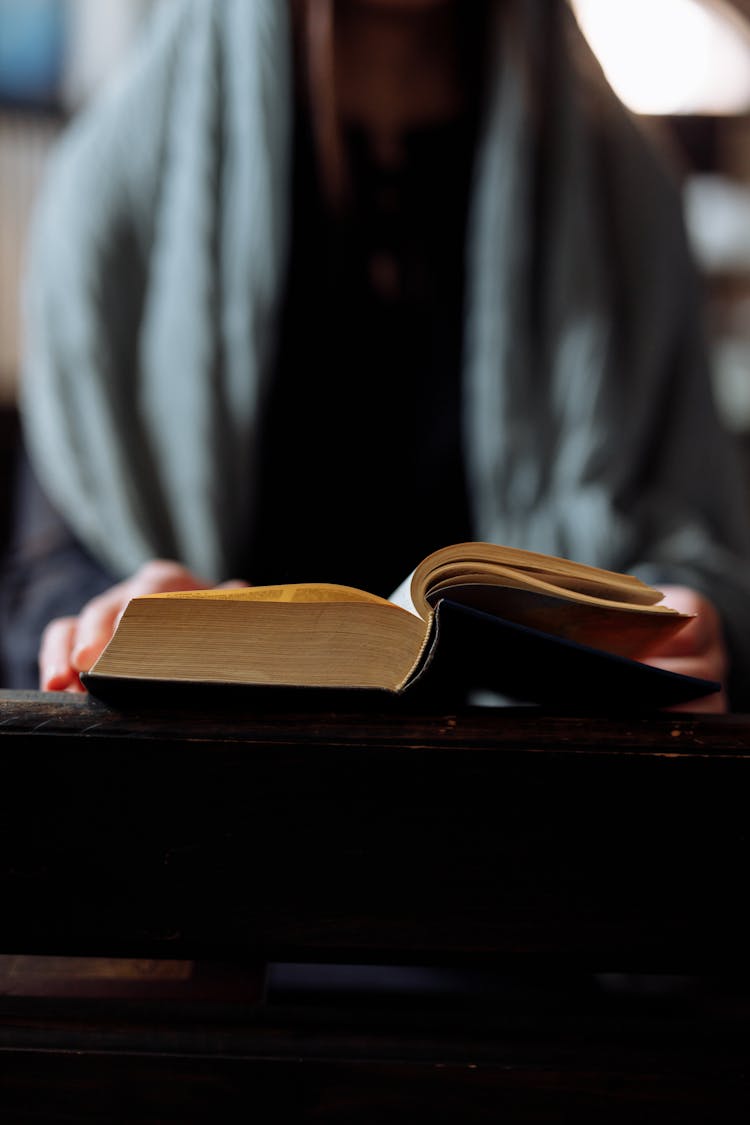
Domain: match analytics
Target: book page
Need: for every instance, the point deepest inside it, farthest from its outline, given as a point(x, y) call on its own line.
point(362, 642)
point(611, 626)
point(495, 576)
point(479, 562)
point(401, 596)
point(286, 592)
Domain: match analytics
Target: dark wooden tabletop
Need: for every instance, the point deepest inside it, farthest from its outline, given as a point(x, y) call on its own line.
point(480, 834)
point(558, 861)
point(27, 713)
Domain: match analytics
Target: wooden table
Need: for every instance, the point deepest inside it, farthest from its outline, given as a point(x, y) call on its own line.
point(564, 898)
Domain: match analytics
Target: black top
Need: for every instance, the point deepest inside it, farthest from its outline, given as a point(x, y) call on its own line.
point(362, 470)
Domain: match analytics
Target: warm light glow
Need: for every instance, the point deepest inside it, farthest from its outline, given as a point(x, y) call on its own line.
point(671, 56)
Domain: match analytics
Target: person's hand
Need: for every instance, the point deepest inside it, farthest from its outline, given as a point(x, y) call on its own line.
point(698, 649)
point(70, 645)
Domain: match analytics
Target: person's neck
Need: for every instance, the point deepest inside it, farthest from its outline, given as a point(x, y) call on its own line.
point(398, 69)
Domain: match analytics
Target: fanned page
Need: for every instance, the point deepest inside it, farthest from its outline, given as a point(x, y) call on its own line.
point(609, 626)
point(615, 612)
point(466, 562)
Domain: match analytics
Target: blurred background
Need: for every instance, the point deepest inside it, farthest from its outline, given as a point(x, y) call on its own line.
point(683, 66)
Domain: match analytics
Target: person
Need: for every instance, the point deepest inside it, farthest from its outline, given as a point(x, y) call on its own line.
point(317, 287)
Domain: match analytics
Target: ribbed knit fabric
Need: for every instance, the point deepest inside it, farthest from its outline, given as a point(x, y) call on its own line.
point(155, 273)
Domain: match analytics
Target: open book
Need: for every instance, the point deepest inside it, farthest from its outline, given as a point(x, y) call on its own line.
point(472, 616)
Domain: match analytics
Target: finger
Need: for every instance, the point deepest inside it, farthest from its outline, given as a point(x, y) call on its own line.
point(76, 687)
point(703, 666)
point(698, 634)
point(98, 619)
point(160, 576)
point(694, 637)
point(96, 624)
point(55, 668)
